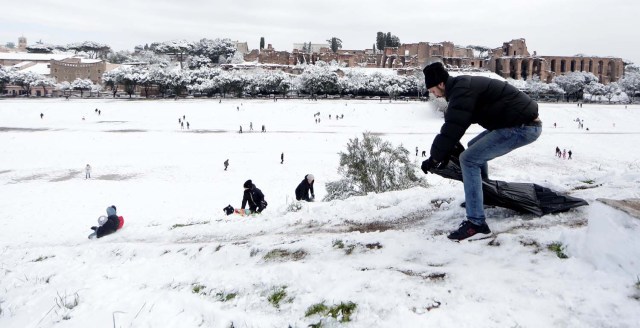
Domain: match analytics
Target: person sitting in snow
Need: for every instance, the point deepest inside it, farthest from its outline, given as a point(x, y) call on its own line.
point(254, 197)
point(302, 191)
point(111, 224)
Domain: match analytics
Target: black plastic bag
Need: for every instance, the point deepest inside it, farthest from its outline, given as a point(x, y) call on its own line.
point(521, 197)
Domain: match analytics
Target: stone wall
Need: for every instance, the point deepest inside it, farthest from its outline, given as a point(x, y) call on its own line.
point(69, 70)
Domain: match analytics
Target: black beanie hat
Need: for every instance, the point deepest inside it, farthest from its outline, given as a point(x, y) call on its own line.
point(248, 184)
point(434, 74)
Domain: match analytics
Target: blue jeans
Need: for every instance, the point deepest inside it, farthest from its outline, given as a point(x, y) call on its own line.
point(483, 148)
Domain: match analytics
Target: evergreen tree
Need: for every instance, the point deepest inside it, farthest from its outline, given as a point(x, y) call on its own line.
point(380, 41)
point(335, 44)
point(261, 43)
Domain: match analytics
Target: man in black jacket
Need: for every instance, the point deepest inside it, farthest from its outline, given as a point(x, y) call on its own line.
point(511, 121)
point(254, 197)
point(302, 191)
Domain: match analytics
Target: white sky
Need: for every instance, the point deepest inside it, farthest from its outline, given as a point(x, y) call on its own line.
point(595, 28)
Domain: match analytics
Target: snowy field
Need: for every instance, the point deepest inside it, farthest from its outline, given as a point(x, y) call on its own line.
point(180, 262)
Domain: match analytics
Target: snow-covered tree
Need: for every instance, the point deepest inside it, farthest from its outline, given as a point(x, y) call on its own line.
point(25, 79)
point(196, 62)
point(573, 83)
point(630, 83)
point(214, 49)
point(44, 83)
point(237, 58)
point(595, 89)
point(178, 48)
point(64, 86)
point(319, 78)
point(93, 49)
point(120, 57)
point(82, 85)
point(40, 48)
point(5, 78)
point(612, 90)
point(152, 58)
point(112, 79)
point(373, 165)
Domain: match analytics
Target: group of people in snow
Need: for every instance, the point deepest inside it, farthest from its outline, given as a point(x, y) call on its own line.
point(510, 119)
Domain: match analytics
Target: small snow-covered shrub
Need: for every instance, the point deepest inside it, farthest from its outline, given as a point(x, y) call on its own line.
point(371, 164)
point(295, 206)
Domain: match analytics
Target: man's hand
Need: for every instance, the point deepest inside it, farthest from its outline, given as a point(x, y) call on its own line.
point(431, 163)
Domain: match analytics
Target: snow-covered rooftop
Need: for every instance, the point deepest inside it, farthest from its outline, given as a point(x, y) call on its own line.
point(32, 57)
point(39, 68)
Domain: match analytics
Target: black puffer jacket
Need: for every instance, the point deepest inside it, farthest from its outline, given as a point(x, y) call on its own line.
point(302, 190)
point(255, 198)
point(108, 227)
point(475, 99)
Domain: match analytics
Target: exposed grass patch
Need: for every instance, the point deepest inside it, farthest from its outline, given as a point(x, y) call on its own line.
point(434, 276)
point(67, 301)
point(341, 312)
point(318, 308)
point(198, 289)
point(218, 247)
point(558, 248)
point(588, 181)
point(277, 296)
point(42, 258)
point(338, 244)
point(349, 248)
point(279, 254)
point(225, 297)
point(182, 225)
point(370, 227)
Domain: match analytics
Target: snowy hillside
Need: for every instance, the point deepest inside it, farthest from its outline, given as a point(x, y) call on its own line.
point(383, 259)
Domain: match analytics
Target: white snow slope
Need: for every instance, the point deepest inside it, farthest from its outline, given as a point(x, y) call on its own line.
point(180, 262)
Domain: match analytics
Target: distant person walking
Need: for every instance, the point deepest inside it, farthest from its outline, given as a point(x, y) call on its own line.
point(41, 115)
point(416, 151)
point(250, 126)
point(181, 125)
point(87, 172)
point(187, 125)
point(240, 129)
point(558, 152)
point(569, 152)
point(226, 164)
point(264, 129)
point(282, 158)
point(424, 153)
point(564, 153)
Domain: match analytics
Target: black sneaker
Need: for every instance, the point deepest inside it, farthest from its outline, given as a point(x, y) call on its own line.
point(468, 229)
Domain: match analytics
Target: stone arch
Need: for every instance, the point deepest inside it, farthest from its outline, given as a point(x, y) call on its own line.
point(553, 65)
point(537, 68)
point(573, 65)
point(498, 67)
point(611, 69)
point(590, 66)
point(582, 65)
point(513, 67)
point(563, 66)
point(524, 69)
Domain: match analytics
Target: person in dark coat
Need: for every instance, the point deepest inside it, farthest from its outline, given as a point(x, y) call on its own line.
point(112, 224)
point(254, 197)
point(302, 191)
point(511, 121)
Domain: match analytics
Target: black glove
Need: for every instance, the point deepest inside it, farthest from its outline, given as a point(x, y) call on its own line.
point(431, 163)
point(94, 228)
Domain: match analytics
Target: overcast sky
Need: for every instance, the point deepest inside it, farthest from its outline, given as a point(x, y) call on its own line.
point(558, 27)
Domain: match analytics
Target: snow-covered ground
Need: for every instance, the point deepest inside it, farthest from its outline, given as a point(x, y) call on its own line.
point(180, 262)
